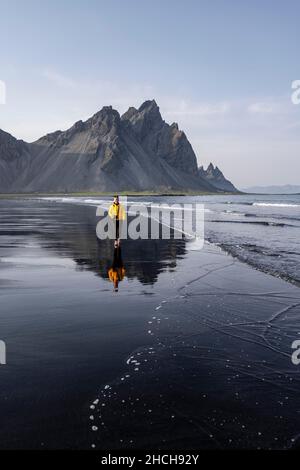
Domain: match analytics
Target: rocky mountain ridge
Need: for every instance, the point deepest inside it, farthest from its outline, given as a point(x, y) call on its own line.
point(137, 151)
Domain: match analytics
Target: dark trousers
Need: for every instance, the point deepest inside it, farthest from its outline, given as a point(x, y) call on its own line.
point(117, 228)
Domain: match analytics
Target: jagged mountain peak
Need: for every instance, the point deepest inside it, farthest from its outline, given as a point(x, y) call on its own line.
point(107, 115)
point(161, 139)
point(215, 176)
point(148, 105)
point(129, 113)
point(107, 152)
point(105, 121)
point(105, 111)
point(149, 111)
point(144, 121)
point(213, 170)
point(50, 137)
point(146, 108)
point(6, 137)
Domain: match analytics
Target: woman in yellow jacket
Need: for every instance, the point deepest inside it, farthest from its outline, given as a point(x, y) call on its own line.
point(117, 213)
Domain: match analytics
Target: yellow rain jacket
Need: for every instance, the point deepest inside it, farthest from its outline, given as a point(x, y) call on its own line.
point(116, 211)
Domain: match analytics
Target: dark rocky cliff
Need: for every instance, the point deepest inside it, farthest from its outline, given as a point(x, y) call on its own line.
point(136, 152)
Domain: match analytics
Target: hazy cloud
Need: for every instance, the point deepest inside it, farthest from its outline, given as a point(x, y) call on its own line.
point(59, 79)
point(262, 108)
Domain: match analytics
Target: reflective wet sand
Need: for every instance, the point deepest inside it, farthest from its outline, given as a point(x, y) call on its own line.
point(193, 350)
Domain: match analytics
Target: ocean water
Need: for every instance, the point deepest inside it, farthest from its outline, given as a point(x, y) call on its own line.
point(261, 230)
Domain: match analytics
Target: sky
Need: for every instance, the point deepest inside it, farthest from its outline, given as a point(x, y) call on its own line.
point(222, 69)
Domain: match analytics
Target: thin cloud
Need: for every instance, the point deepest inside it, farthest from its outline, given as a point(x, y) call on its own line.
point(59, 79)
point(261, 108)
point(183, 108)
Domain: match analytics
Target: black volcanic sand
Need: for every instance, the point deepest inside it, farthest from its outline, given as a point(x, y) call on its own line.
point(192, 352)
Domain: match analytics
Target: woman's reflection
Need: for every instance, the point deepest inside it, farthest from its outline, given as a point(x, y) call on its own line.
point(117, 272)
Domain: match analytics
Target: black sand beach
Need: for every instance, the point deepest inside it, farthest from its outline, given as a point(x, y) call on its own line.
point(192, 352)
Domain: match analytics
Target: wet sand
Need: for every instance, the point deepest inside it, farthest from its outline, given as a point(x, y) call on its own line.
point(192, 352)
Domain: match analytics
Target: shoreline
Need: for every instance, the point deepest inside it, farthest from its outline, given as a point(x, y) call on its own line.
point(226, 250)
point(260, 269)
point(121, 193)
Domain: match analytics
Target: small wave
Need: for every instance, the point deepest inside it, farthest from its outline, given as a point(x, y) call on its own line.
point(273, 204)
point(239, 203)
point(254, 222)
point(235, 213)
point(188, 207)
point(259, 261)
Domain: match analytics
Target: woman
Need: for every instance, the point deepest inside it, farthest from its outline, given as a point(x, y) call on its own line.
point(117, 213)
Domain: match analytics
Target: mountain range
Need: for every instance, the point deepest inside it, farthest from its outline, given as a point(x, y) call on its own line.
point(137, 151)
point(281, 189)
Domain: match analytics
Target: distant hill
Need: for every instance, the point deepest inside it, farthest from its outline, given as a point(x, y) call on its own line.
point(285, 189)
point(137, 151)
